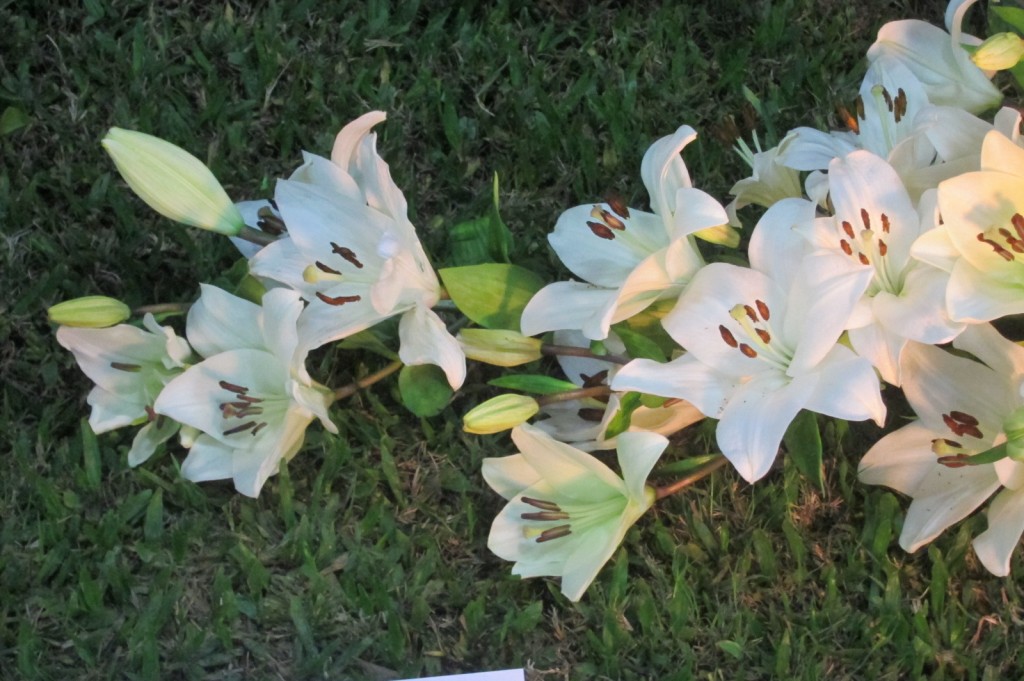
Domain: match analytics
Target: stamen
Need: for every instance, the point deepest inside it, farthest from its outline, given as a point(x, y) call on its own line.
point(545, 515)
point(540, 503)
point(554, 533)
point(963, 418)
point(888, 99)
point(231, 387)
point(882, 248)
point(865, 218)
point(762, 307)
point(258, 428)
point(885, 223)
point(125, 366)
point(617, 204)
point(727, 336)
point(346, 253)
point(750, 313)
point(324, 268)
point(859, 104)
point(901, 105)
point(848, 228)
point(863, 259)
point(954, 461)
point(601, 230)
point(849, 120)
point(1018, 224)
point(764, 336)
point(612, 221)
point(242, 428)
point(591, 414)
point(748, 351)
point(338, 300)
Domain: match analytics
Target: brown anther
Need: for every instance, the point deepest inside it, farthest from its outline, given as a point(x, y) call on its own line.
point(540, 503)
point(613, 221)
point(231, 387)
point(748, 351)
point(848, 120)
point(346, 253)
point(762, 308)
point(1000, 251)
point(269, 223)
point(242, 428)
point(592, 414)
point(963, 417)
point(848, 228)
point(1018, 224)
point(883, 248)
point(258, 428)
point(885, 223)
point(554, 533)
point(888, 99)
point(250, 400)
point(751, 313)
point(594, 380)
point(901, 104)
point(338, 300)
point(545, 515)
point(863, 259)
point(865, 218)
point(617, 204)
point(954, 461)
point(125, 366)
point(601, 230)
point(324, 268)
point(764, 336)
point(727, 336)
point(845, 245)
point(859, 104)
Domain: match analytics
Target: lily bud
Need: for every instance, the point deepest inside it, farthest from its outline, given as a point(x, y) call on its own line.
point(500, 347)
point(172, 181)
point(998, 52)
point(499, 413)
point(92, 312)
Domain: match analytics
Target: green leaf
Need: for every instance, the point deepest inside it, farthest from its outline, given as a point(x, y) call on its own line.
point(90, 456)
point(533, 383)
point(369, 340)
point(620, 422)
point(12, 119)
point(481, 240)
point(732, 648)
point(492, 295)
point(803, 442)
point(424, 389)
point(1013, 16)
point(638, 345)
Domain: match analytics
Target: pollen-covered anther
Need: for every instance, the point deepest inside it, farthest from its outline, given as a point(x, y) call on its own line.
point(962, 424)
point(883, 248)
point(764, 336)
point(231, 387)
point(616, 203)
point(554, 533)
point(762, 308)
point(592, 414)
point(612, 221)
point(248, 425)
point(338, 300)
point(125, 366)
point(885, 224)
point(748, 351)
point(600, 229)
point(954, 461)
point(545, 515)
point(540, 503)
point(865, 218)
point(900, 109)
point(727, 336)
point(324, 268)
point(999, 250)
point(848, 119)
point(848, 229)
point(346, 253)
point(750, 313)
point(269, 223)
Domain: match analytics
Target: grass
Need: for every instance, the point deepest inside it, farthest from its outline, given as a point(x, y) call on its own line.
point(366, 558)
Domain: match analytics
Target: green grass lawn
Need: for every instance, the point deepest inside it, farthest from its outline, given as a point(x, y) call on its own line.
point(367, 558)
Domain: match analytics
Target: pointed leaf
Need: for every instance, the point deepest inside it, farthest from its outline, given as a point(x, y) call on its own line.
point(803, 443)
point(533, 383)
point(620, 422)
point(492, 295)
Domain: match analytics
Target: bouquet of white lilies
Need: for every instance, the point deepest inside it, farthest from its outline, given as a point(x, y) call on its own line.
point(883, 253)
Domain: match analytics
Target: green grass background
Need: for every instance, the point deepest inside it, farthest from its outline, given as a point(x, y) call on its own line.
point(366, 558)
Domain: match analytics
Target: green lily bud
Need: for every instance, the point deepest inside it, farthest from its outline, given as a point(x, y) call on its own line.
point(998, 52)
point(500, 347)
point(93, 312)
point(499, 413)
point(172, 181)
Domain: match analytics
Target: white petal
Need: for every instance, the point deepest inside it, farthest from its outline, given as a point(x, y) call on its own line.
point(974, 296)
point(425, 340)
point(810, 149)
point(277, 321)
point(847, 388)
point(685, 378)
point(111, 410)
point(901, 459)
point(582, 566)
point(663, 171)
point(778, 240)
point(995, 545)
point(1003, 356)
point(694, 210)
point(207, 459)
point(509, 475)
point(575, 474)
point(568, 305)
point(945, 496)
point(638, 452)
point(149, 437)
point(249, 210)
point(882, 348)
point(282, 261)
point(220, 321)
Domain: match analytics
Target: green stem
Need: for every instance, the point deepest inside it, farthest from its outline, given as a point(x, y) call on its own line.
point(366, 381)
point(161, 308)
point(699, 474)
point(569, 395)
point(256, 236)
point(552, 350)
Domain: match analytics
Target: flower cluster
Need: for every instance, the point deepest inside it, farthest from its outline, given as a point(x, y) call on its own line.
point(877, 246)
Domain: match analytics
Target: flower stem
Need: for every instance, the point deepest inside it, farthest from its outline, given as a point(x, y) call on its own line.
point(569, 395)
point(256, 236)
point(551, 350)
point(367, 381)
point(699, 474)
point(161, 308)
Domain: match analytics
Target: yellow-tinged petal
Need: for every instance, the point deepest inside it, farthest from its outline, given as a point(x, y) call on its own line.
point(499, 413)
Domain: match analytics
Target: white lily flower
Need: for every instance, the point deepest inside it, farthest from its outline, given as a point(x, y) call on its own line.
point(873, 227)
point(964, 408)
point(761, 344)
point(354, 255)
point(628, 258)
point(567, 511)
point(251, 398)
point(770, 181)
point(938, 60)
point(981, 241)
point(130, 367)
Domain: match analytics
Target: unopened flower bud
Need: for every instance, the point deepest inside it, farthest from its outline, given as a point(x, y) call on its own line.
point(93, 312)
point(499, 413)
point(998, 52)
point(500, 347)
point(172, 181)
